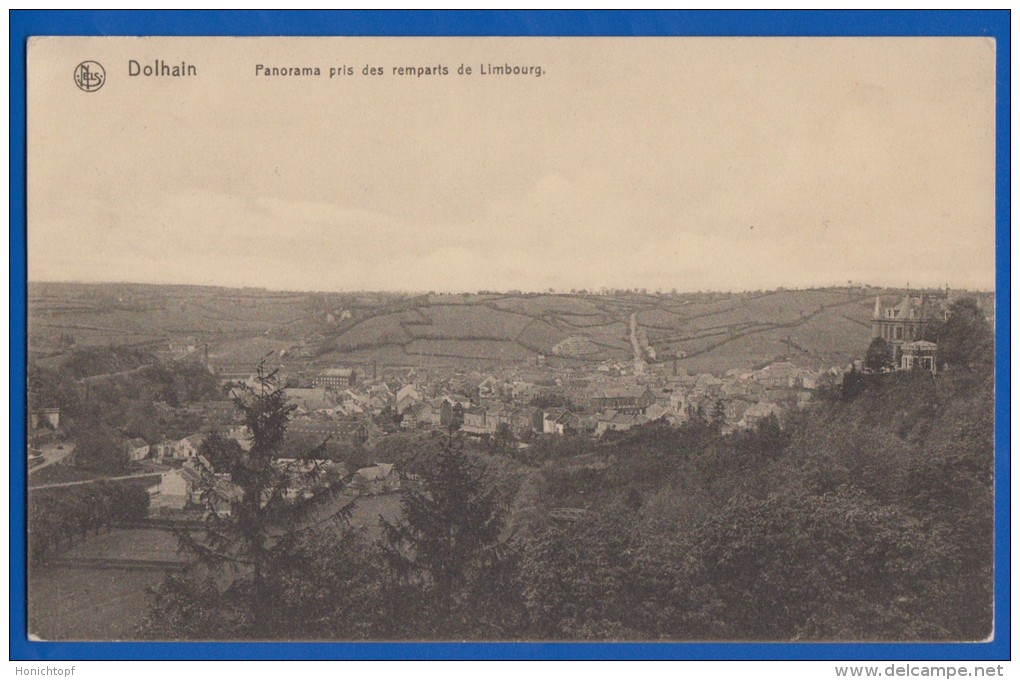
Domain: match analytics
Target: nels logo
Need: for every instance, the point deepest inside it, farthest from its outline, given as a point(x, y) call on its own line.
point(89, 76)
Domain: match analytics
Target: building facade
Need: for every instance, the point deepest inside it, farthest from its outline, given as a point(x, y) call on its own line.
point(335, 378)
point(907, 320)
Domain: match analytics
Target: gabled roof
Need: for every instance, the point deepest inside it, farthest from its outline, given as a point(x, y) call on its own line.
point(631, 392)
point(925, 305)
point(336, 373)
point(655, 412)
point(195, 440)
point(380, 471)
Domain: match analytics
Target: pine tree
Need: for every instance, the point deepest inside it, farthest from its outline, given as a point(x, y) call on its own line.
point(258, 509)
point(449, 544)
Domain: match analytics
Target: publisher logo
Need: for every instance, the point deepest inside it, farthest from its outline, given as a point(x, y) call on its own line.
point(89, 76)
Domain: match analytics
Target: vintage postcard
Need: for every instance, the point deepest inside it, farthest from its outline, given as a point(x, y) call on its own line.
point(510, 339)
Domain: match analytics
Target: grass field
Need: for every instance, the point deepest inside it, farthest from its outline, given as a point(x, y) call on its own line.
point(70, 603)
point(128, 544)
point(78, 603)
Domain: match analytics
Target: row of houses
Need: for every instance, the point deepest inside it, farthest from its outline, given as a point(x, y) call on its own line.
point(196, 484)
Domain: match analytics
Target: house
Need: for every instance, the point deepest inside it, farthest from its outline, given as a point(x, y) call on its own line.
point(777, 376)
point(425, 414)
point(554, 420)
point(735, 409)
point(335, 378)
point(617, 422)
point(757, 413)
point(655, 412)
point(474, 420)
point(663, 396)
point(678, 402)
point(452, 409)
point(526, 419)
point(376, 405)
point(708, 384)
point(908, 318)
point(919, 354)
point(582, 424)
point(173, 490)
point(488, 386)
point(521, 390)
point(178, 488)
point(378, 479)
point(163, 449)
point(407, 396)
point(633, 399)
point(311, 399)
point(46, 417)
point(188, 447)
point(137, 449)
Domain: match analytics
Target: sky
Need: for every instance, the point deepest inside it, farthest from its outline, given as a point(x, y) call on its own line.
point(695, 164)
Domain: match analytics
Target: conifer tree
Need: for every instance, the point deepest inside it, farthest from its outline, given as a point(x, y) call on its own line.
point(449, 543)
point(258, 508)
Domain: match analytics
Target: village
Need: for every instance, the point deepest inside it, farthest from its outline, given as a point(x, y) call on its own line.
point(356, 406)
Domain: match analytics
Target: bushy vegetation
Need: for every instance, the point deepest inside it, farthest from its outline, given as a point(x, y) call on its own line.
point(868, 517)
point(100, 412)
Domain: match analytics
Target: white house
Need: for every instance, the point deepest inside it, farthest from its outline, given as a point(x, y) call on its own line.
point(137, 449)
point(407, 396)
point(188, 447)
point(379, 478)
point(173, 490)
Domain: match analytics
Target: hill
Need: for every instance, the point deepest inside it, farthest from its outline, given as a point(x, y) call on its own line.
point(702, 331)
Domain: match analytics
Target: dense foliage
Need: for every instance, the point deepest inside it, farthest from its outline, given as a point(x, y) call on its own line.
point(866, 517)
point(879, 356)
point(59, 516)
point(100, 410)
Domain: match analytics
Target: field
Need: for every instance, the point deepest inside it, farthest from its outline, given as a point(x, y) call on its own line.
point(127, 544)
point(702, 331)
point(70, 603)
point(83, 603)
point(812, 328)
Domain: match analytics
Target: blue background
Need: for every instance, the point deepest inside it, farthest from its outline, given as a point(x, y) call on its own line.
point(23, 24)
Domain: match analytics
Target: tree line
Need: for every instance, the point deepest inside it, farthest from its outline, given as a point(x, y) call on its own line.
point(59, 517)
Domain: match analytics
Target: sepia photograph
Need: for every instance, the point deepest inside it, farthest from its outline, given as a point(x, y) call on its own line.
point(511, 339)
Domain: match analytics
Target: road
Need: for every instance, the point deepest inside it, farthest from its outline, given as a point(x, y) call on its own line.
point(638, 354)
point(91, 481)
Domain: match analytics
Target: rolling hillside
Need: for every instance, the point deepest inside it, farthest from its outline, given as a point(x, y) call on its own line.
point(701, 331)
